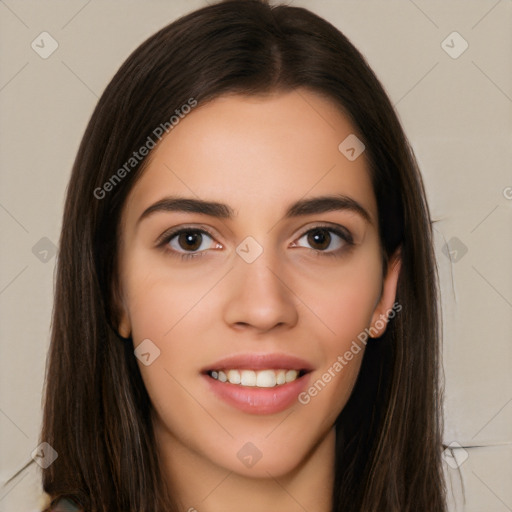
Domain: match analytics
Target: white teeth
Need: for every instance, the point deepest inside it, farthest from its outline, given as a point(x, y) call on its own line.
point(234, 376)
point(266, 379)
point(291, 375)
point(248, 378)
point(260, 379)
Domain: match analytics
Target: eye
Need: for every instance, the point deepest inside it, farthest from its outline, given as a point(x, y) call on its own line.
point(324, 239)
point(190, 241)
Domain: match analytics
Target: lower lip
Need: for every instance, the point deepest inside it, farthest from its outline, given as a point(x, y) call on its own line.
point(256, 400)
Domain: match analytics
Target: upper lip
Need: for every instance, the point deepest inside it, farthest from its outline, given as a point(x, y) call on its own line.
point(260, 362)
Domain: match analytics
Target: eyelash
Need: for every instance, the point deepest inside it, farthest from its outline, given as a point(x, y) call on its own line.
point(163, 241)
point(343, 233)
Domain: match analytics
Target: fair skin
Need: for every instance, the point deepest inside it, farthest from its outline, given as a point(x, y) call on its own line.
point(308, 294)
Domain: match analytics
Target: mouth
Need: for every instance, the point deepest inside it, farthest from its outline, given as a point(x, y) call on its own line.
point(258, 383)
point(268, 378)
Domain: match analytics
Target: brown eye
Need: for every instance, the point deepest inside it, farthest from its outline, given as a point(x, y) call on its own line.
point(190, 240)
point(319, 239)
point(325, 239)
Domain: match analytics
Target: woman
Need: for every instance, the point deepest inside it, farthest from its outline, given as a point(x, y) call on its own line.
point(246, 299)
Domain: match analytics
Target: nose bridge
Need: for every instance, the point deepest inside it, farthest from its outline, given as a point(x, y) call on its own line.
point(257, 294)
point(260, 276)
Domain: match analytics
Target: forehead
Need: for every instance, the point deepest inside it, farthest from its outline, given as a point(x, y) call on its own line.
point(256, 153)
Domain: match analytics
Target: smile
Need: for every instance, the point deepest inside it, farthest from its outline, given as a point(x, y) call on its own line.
point(268, 378)
point(257, 383)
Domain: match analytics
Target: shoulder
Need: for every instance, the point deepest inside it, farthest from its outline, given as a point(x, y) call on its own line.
point(64, 505)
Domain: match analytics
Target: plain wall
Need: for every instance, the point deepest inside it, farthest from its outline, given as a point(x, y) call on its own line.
point(456, 110)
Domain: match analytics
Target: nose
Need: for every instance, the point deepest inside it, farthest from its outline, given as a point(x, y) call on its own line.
point(259, 297)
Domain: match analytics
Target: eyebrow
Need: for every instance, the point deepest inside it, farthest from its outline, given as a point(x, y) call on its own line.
point(302, 207)
point(183, 204)
point(325, 204)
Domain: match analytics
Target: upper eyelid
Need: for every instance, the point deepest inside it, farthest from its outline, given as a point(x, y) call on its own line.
point(172, 232)
point(325, 225)
point(339, 230)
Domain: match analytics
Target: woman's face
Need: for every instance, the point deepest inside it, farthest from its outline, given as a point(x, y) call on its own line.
point(250, 252)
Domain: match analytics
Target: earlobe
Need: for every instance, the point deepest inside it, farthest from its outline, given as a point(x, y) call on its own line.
point(120, 318)
point(124, 325)
point(388, 297)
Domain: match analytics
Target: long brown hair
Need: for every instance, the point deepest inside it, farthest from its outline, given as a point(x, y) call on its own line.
point(97, 410)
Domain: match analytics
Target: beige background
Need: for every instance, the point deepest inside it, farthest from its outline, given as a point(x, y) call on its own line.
point(456, 111)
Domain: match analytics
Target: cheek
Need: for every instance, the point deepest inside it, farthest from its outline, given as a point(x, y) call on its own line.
point(176, 312)
point(330, 388)
point(343, 298)
point(177, 318)
point(159, 300)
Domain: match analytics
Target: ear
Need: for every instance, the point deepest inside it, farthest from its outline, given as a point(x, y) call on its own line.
point(387, 299)
point(124, 326)
point(121, 318)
